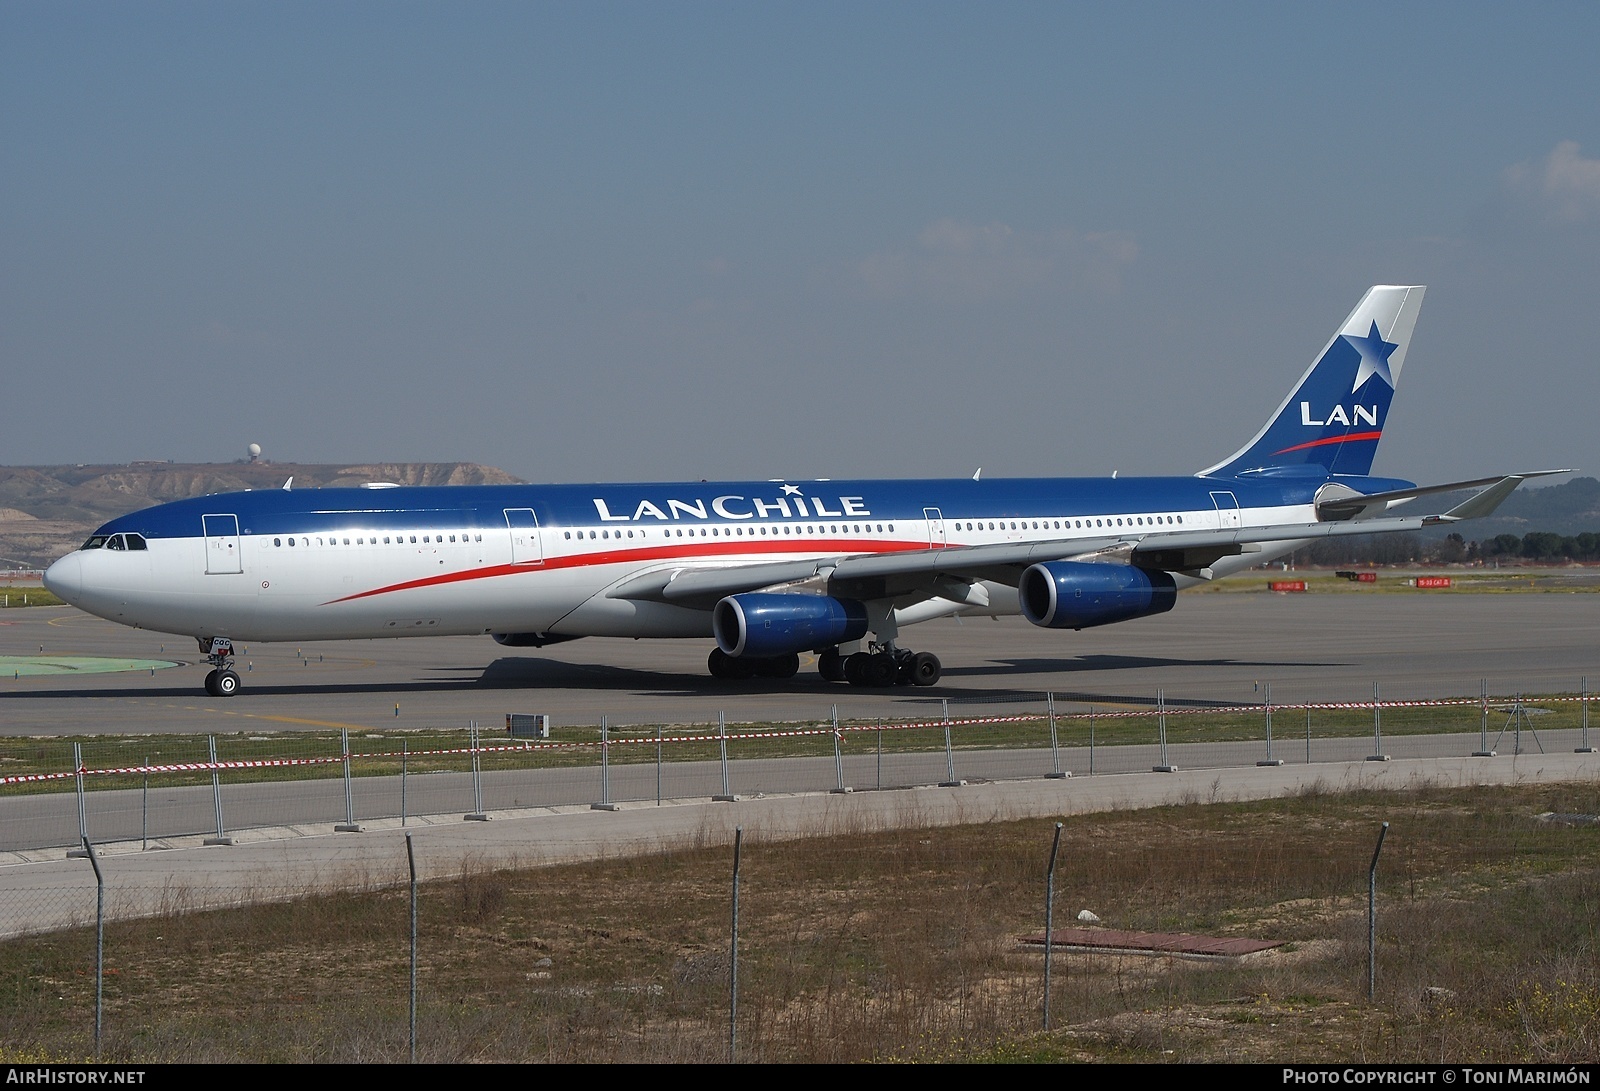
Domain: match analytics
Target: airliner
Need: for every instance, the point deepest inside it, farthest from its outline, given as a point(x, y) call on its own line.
point(769, 570)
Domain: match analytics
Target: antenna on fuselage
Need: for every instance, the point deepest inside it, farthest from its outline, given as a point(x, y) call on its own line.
point(977, 476)
point(288, 483)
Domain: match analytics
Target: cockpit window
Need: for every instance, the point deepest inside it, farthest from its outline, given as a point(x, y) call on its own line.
point(135, 541)
point(96, 541)
point(116, 542)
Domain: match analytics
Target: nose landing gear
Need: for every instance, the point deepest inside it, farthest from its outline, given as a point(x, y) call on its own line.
point(222, 681)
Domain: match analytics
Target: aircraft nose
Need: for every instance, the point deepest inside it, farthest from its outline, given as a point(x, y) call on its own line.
point(64, 579)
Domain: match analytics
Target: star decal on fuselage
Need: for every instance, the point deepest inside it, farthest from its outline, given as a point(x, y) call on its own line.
point(791, 490)
point(1375, 353)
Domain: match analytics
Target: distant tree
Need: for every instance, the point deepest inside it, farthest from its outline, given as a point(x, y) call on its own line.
point(1541, 546)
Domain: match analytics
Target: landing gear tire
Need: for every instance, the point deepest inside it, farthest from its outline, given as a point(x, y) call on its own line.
point(722, 665)
point(830, 664)
point(778, 666)
point(880, 670)
point(227, 684)
point(211, 683)
point(855, 668)
point(925, 669)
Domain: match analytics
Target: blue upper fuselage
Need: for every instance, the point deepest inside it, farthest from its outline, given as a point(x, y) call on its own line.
point(278, 511)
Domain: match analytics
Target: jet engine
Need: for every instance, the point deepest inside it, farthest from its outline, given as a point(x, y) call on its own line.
point(1078, 595)
point(762, 625)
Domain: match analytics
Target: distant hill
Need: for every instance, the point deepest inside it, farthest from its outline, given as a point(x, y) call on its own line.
point(46, 511)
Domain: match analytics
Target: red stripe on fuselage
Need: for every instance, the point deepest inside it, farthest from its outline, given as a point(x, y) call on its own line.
point(649, 553)
point(1353, 437)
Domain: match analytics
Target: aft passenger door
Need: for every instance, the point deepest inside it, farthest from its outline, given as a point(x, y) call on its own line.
point(222, 544)
point(526, 548)
point(936, 535)
point(1227, 510)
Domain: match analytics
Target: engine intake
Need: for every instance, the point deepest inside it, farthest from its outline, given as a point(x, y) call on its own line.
point(762, 625)
point(1079, 595)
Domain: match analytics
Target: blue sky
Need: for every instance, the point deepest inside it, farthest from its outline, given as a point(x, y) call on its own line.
point(644, 241)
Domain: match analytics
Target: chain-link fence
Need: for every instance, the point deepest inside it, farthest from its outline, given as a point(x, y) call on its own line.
point(149, 790)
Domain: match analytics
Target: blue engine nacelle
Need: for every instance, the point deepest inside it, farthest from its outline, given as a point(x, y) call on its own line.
point(774, 624)
point(1076, 595)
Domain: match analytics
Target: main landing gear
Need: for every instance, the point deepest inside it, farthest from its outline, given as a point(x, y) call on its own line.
point(222, 681)
point(884, 666)
point(723, 665)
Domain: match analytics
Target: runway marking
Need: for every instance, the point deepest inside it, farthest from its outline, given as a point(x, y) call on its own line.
point(34, 665)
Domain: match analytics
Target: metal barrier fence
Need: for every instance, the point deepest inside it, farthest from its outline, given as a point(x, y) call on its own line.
point(122, 789)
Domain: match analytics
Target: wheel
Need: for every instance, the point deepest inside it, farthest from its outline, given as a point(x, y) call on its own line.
point(880, 670)
point(925, 669)
point(723, 665)
point(227, 684)
point(855, 668)
point(211, 683)
point(830, 664)
point(778, 666)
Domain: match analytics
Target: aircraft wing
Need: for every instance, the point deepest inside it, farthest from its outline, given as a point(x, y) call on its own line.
point(888, 574)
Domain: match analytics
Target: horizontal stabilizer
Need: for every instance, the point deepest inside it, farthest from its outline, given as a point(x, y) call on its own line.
point(1489, 499)
point(1348, 503)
